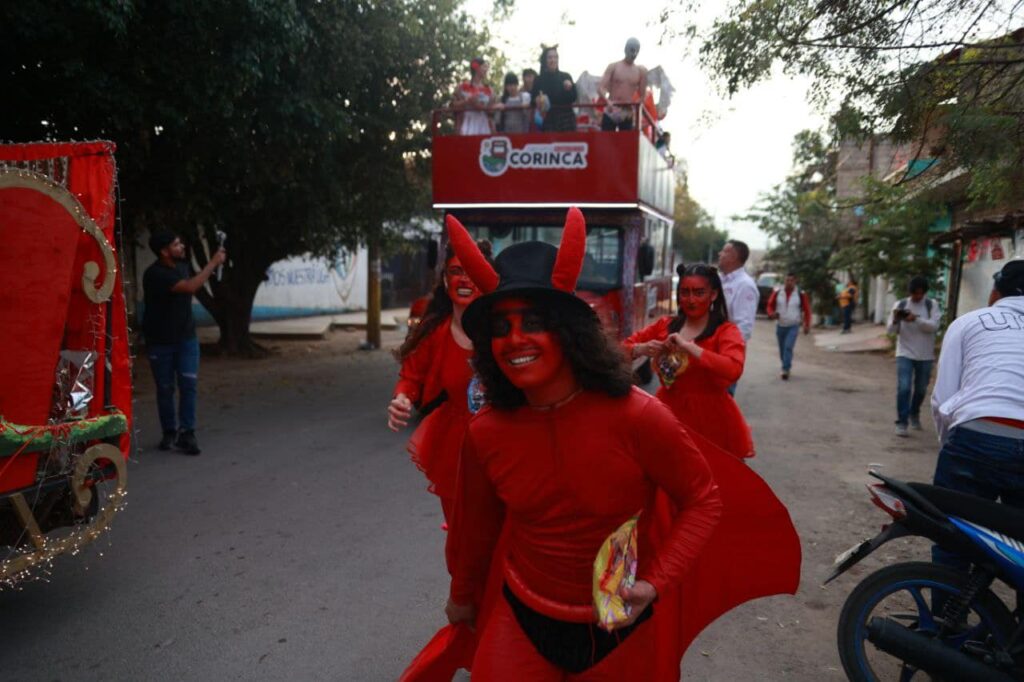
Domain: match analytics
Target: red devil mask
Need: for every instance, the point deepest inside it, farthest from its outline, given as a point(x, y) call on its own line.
point(696, 296)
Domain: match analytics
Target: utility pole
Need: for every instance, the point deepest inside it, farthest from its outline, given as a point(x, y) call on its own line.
point(373, 292)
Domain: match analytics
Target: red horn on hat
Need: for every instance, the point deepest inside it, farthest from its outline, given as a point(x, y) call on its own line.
point(473, 260)
point(569, 262)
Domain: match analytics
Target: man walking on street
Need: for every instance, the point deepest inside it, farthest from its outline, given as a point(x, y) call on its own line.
point(848, 303)
point(914, 320)
point(741, 294)
point(978, 403)
point(792, 308)
point(170, 333)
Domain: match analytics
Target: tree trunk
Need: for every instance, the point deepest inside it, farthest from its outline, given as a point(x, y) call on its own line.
point(231, 307)
point(373, 338)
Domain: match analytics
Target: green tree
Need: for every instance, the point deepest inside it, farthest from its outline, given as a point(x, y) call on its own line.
point(293, 126)
point(800, 218)
point(894, 238)
point(694, 234)
point(898, 68)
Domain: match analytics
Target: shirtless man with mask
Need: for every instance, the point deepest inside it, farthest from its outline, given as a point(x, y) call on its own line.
point(624, 83)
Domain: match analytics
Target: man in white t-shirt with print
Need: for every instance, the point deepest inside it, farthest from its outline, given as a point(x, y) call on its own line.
point(978, 400)
point(914, 320)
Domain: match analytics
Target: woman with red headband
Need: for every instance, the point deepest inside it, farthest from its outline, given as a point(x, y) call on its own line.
point(474, 101)
point(697, 355)
point(435, 378)
point(564, 453)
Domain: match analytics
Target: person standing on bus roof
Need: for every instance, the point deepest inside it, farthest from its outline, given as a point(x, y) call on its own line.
point(516, 112)
point(474, 100)
point(623, 84)
point(559, 91)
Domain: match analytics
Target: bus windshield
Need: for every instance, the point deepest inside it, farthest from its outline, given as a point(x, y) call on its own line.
point(602, 262)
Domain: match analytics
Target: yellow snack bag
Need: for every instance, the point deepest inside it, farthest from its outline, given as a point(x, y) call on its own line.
point(614, 567)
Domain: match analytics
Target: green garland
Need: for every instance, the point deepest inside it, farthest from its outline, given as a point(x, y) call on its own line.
point(16, 438)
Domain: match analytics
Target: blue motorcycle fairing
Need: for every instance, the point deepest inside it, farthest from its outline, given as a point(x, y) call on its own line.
point(1008, 552)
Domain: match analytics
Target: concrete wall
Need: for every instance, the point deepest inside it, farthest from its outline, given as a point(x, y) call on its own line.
point(976, 277)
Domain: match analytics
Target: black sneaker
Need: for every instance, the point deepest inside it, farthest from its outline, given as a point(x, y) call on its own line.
point(167, 442)
point(187, 443)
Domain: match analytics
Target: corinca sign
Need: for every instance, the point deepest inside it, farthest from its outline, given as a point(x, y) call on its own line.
point(497, 155)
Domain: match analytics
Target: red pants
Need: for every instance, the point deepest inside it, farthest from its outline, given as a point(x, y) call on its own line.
point(505, 653)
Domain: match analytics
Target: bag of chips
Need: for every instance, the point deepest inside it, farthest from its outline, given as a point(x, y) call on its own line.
point(615, 567)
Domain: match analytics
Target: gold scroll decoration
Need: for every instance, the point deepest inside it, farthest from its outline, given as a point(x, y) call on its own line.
point(18, 178)
point(46, 549)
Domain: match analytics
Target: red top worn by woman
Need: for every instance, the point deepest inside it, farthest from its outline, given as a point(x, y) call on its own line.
point(438, 364)
point(698, 396)
point(564, 479)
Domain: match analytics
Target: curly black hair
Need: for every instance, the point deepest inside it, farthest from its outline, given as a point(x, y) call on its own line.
point(596, 359)
point(440, 307)
point(719, 313)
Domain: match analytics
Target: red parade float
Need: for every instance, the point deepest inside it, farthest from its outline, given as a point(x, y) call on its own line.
point(511, 188)
point(65, 374)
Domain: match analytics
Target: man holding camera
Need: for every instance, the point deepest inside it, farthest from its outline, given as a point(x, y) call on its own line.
point(170, 332)
point(914, 321)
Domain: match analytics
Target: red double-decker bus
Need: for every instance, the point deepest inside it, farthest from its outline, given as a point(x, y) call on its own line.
point(513, 187)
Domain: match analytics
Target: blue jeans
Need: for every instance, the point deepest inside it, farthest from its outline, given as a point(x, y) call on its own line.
point(848, 317)
point(980, 464)
point(176, 362)
point(787, 340)
point(916, 374)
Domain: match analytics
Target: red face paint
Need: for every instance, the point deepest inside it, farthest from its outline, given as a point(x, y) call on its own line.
point(529, 355)
point(460, 287)
point(696, 296)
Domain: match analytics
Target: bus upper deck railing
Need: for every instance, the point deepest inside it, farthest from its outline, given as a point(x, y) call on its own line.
point(499, 119)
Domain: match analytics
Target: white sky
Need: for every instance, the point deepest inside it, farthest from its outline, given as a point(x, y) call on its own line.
point(734, 149)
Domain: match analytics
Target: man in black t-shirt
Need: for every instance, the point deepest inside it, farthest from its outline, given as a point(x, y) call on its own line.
point(170, 333)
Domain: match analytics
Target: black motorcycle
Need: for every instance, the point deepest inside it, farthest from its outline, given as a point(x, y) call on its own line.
point(913, 620)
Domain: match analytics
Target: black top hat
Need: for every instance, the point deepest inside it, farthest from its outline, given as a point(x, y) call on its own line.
point(533, 269)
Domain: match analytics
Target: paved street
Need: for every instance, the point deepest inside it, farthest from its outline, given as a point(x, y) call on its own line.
point(302, 544)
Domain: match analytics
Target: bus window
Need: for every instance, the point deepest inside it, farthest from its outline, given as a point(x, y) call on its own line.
point(602, 261)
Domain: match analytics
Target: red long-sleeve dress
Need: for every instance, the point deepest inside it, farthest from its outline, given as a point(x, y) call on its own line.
point(699, 397)
point(438, 364)
point(562, 481)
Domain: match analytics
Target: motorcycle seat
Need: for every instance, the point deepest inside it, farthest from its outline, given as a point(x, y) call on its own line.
point(995, 516)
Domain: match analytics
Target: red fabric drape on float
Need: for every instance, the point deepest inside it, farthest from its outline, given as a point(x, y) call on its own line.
point(41, 298)
point(755, 552)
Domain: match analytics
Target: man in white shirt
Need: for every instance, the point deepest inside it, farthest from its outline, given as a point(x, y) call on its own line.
point(914, 320)
point(978, 400)
point(740, 289)
point(792, 308)
point(741, 294)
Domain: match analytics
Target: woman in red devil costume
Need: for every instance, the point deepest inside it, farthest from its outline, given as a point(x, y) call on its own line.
point(566, 451)
point(698, 354)
point(435, 377)
point(563, 454)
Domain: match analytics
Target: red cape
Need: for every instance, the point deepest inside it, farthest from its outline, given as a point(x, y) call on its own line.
point(754, 552)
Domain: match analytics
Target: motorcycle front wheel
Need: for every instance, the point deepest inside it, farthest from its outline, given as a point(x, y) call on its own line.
point(906, 594)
